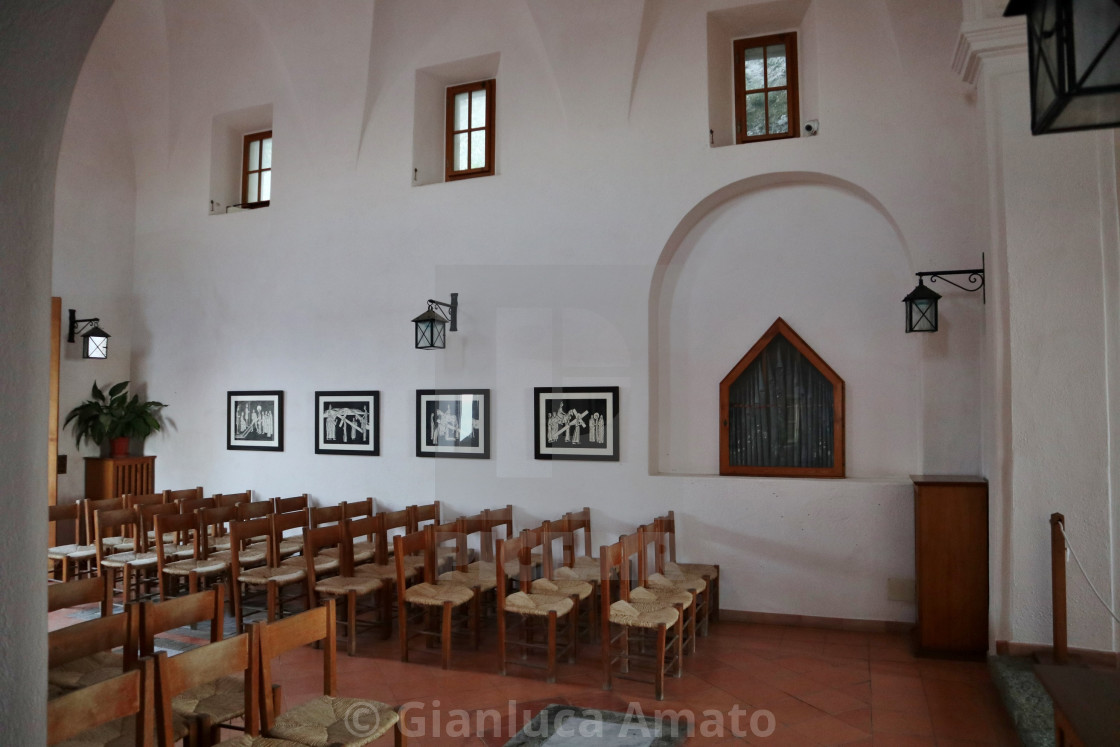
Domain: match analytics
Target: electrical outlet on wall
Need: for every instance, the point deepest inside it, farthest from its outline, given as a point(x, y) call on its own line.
point(901, 590)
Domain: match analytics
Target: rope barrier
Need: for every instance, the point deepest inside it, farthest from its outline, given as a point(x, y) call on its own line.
point(1081, 568)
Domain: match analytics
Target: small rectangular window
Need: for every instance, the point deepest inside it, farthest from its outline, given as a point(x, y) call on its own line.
point(766, 103)
point(256, 180)
point(470, 130)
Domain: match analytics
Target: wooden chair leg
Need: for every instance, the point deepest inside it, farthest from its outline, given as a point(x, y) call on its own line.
point(402, 625)
point(270, 600)
point(659, 672)
point(351, 622)
point(237, 612)
point(552, 646)
point(446, 634)
point(502, 642)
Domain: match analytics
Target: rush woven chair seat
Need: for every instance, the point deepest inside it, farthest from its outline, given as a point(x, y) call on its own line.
point(71, 559)
point(117, 711)
point(329, 718)
point(134, 566)
point(197, 568)
point(272, 577)
point(687, 591)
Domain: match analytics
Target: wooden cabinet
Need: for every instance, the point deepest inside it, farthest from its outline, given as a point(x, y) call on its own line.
point(112, 477)
point(951, 554)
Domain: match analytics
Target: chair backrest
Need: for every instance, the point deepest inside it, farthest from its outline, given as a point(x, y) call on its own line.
point(91, 507)
point(429, 512)
point(190, 505)
point(213, 522)
point(650, 548)
point(276, 638)
point(253, 510)
point(401, 519)
point(240, 532)
point(130, 694)
point(295, 503)
point(84, 591)
point(469, 526)
point(185, 528)
point(232, 499)
point(539, 537)
point(283, 522)
point(507, 550)
point(186, 494)
point(160, 617)
point(321, 515)
point(574, 524)
point(67, 515)
point(176, 674)
point(668, 524)
point(500, 518)
point(145, 518)
point(364, 526)
point(614, 563)
point(446, 537)
point(314, 540)
point(94, 636)
point(132, 500)
point(114, 522)
point(357, 509)
point(410, 544)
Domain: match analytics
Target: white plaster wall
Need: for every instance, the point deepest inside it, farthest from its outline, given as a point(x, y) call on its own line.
point(602, 141)
point(94, 226)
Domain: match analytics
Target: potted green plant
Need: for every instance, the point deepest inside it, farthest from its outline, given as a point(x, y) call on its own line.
point(115, 417)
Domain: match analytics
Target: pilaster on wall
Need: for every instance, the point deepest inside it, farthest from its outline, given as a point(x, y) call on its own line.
point(1049, 365)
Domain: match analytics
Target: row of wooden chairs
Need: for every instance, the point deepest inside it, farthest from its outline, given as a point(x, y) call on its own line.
point(155, 700)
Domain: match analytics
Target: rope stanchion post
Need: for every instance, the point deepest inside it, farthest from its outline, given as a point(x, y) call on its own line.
point(1058, 586)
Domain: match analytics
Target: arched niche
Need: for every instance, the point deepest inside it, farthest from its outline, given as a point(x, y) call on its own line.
point(818, 251)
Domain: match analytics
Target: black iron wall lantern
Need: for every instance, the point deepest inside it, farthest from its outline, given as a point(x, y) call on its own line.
point(921, 303)
point(95, 341)
point(1074, 63)
point(431, 326)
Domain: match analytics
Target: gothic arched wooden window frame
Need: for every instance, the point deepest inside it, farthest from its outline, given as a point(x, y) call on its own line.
point(781, 328)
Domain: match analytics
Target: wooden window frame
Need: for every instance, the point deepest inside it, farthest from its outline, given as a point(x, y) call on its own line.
point(780, 327)
point(245, 171)
point(449, 130)
point(793, 108)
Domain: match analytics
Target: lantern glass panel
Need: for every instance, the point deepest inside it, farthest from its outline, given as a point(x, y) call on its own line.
point(96, 347)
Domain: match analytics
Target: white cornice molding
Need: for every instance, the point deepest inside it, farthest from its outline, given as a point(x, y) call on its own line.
point(987, 39)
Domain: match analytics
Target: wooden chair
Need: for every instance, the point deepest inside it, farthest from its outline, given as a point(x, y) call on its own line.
point(358, 509)
point(172, 567)
point(272, 577)
point(119, 710)
point(213, 528)
point(382, 566)
point(159, 617)
point(428, 513)
point(116, 523)
point(83, 654)
point(208, 686)
point(95, 589)
point(122, 543)
point(284, 505)
point(575, 529)
point(481, 574)
point(429, 594)
point(554, 581)
point(253, 510)
point(72, 559)
point(323, 515)
point(687, 591)
point(328, 719)
point(346, 584)
point(531, 610)
point(643, 623)
point(174, 545)
point(707, 571)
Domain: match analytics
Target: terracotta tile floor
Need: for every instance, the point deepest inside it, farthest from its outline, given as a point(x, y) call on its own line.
point(813, 687)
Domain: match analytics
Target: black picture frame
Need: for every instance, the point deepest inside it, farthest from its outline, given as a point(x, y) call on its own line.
point(255, 420)
point(576, 423)
point(348, 423)
point(439, 418)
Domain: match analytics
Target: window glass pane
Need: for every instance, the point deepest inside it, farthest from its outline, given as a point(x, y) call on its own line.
point(779, 114)
point(462, 109)
point(753, 69)
point(255, 155)
point(459, 153)
point(266, 185)
point(266, 154)
point(756, 114)
point(478, 109)
point(251, 193)
point(776, 65)
point(478, 149)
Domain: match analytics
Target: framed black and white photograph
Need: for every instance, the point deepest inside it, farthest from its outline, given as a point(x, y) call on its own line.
point(255, 421)
point(576, 422)
point(348, 423)
point(453, 423)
